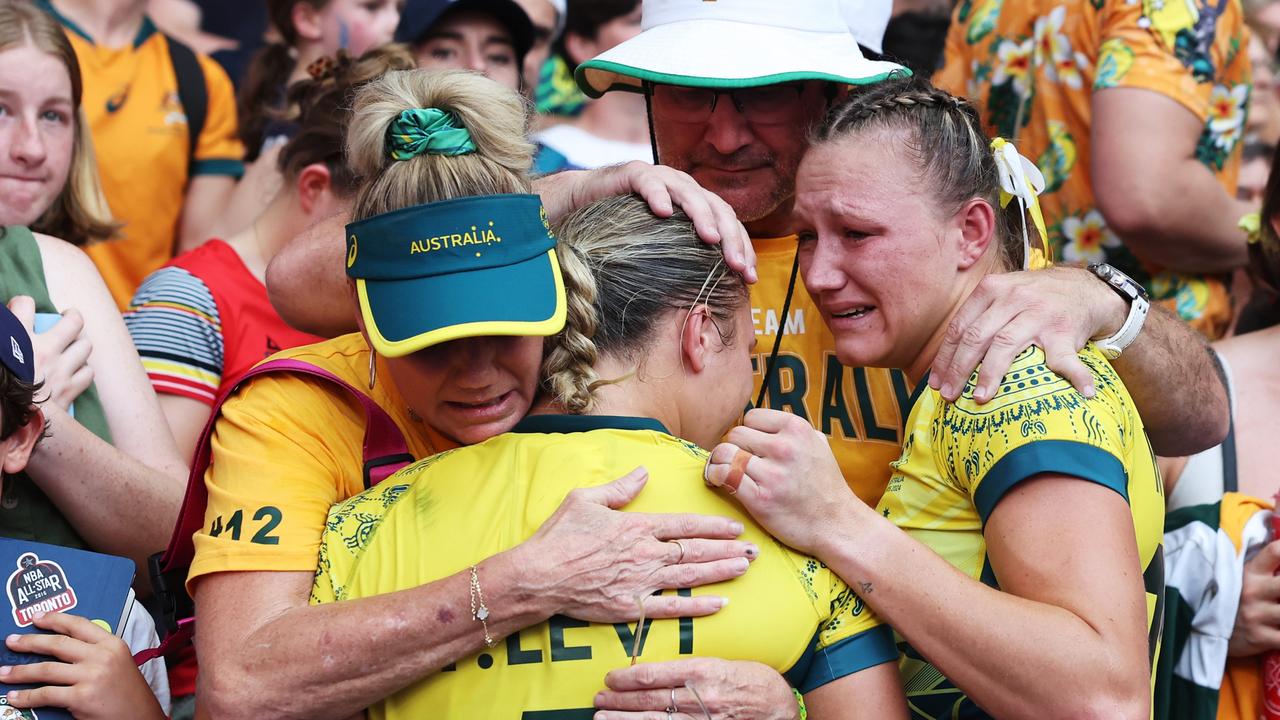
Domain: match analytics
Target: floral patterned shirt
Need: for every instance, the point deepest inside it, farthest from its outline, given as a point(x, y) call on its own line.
point(1031, 67)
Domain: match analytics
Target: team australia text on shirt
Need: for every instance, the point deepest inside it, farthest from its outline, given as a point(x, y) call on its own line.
point(766, 321)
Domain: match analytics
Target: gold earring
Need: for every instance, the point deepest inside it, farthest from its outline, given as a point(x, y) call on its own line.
point(373, 368)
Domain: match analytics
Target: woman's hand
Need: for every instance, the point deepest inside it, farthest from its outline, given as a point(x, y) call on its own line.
point(62, 352)
point(787, 479)
point(593, 561)
point(664, 189)
point(96, 677)
point(728, 689)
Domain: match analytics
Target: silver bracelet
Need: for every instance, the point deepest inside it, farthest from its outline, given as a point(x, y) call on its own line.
point(480, 611)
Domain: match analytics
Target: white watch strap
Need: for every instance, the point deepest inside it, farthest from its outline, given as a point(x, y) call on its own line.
point(1112, 346)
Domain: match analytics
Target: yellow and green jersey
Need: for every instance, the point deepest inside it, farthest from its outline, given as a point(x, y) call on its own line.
point(448, 512)
point(960, 459)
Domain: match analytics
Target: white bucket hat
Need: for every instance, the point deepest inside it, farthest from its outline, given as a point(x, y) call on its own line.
point(867, 20)
point(736, 43)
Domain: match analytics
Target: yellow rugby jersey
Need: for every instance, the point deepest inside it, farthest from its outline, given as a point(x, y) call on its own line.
point(960, 459)
point(446, 513)
point(140, 138)
point(285, 449)
point(858, 409)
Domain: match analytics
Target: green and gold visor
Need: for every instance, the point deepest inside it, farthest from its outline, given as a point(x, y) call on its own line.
point(460, 268)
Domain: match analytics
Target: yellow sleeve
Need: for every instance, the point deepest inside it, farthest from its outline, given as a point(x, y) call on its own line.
point(347, 532)
point(285, 449)
point(1133, 56)
point(1038, 423)
point(850, 637)
point(219, 150)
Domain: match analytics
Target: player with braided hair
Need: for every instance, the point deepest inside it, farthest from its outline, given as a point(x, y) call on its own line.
point(645, 377)
point(1018, 545)
point(453, 274)
point(614, 283)
point(567, 370)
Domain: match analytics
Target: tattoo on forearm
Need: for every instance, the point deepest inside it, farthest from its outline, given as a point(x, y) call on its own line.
point(866, 588)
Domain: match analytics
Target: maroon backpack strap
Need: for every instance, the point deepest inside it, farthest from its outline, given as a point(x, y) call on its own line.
point(172, 642)
point(384, 452)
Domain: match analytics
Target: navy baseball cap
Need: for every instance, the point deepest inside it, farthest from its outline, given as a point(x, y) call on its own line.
point(468, 267)
point(419, 16)
point(16, 354)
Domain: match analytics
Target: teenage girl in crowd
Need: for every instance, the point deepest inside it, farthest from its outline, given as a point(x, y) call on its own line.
point(1018, 545)
point(635, 376)
point(308, 32)
point(287, 447)
point(105, 476)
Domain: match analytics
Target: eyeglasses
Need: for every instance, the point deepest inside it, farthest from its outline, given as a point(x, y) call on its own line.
point(764, 105)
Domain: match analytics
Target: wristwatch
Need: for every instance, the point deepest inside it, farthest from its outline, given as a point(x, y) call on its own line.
point(1139, 305)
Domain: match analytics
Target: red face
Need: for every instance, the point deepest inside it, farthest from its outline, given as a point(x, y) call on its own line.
point(37, 133)
point(471, 389)
point(748, 157)
point(877, 254)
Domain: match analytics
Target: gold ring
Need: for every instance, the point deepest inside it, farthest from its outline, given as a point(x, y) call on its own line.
point(677, 562)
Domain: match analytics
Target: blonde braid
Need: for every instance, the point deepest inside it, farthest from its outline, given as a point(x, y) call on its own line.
point(569, 372)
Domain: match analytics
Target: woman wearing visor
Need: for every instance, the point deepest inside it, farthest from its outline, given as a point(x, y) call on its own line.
point(288, 446)
point(635, 376)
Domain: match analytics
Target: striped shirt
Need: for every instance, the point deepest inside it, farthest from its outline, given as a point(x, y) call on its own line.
point(203, 320)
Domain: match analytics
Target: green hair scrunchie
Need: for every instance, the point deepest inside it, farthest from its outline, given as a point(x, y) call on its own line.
point(427, 130)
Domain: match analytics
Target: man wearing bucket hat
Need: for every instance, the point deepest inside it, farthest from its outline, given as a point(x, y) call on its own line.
point(733, 88)
point(491, 37)
point(735, 118)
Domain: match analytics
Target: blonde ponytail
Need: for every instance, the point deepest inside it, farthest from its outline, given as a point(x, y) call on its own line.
point(624, 271)
point(494, 115)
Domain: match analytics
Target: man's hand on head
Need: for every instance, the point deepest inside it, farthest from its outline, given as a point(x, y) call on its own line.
point(663, 189)
point(1058, 309)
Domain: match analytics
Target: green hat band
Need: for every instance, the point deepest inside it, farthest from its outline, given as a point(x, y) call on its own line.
point(452, 236)
point(427, 130)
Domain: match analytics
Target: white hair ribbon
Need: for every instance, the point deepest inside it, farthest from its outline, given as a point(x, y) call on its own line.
point(1021, 179)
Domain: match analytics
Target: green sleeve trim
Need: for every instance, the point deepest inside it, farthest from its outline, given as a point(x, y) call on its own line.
point(851, 655)
point(234, 168)
point(1066, 457)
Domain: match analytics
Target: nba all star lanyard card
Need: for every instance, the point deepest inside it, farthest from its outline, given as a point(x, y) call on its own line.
point(42, 578)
